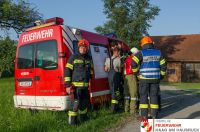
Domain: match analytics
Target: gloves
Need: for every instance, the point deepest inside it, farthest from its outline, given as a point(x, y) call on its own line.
point(68, 90)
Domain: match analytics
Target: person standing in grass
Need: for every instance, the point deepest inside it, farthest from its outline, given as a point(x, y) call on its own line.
point(151, 67)
point(130, 84)
point(78, 72)
point(113, 67)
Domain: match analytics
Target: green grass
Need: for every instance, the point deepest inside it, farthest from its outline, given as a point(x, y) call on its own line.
point(193, 87)
point(12, 119)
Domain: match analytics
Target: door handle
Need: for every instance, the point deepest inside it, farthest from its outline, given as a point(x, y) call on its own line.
point(37, 78)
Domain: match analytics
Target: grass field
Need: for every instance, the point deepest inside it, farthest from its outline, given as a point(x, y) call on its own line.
point(12, 119)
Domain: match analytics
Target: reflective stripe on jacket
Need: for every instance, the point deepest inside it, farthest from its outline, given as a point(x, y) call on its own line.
point(78, 70)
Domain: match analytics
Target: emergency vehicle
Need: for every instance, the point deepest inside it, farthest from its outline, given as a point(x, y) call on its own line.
point(42, 52)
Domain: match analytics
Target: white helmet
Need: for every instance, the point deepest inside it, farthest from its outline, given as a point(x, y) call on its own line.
point(134, 50)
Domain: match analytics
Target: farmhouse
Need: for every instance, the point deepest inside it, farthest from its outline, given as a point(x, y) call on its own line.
point(183, 56)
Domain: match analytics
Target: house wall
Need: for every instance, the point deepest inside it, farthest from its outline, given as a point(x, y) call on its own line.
point(183, 72)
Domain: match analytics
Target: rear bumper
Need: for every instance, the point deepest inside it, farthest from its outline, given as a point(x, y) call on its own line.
point(58, 103)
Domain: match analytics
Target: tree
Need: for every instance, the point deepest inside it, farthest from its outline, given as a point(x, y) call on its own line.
point(13, 15)
point(129, 19)
point(17, 15)
point(7, 55)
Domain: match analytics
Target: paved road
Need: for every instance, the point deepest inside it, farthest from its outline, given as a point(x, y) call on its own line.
point(176, 104)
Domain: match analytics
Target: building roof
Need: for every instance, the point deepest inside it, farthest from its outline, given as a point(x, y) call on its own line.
point(179, 47)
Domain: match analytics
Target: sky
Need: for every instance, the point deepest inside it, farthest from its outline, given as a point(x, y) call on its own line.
point(176, 16)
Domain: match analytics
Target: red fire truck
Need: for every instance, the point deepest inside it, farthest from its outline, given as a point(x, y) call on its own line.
point(42, 52)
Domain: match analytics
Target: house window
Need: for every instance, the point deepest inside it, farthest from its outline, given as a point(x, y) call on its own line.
point(197, 66)
point(189, 67)
point(171, 71)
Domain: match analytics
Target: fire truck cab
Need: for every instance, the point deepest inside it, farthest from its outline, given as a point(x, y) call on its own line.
point(42, 53)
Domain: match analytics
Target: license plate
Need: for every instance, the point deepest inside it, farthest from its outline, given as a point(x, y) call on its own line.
point(25, 84)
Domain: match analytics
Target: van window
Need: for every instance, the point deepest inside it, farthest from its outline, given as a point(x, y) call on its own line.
point(99, 54)
point(26, 57)
point(40, 55)
point(75, 47)
point(47, 55)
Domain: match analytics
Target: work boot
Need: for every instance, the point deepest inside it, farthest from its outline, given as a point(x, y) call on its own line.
point(126, 106)
point(133, 107)
point(114, 105)
point(154, 113)
point(114, 108)
point(83, 118)
point(152, 117)
point(72, 120)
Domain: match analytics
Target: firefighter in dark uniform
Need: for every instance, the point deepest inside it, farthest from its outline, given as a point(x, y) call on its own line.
point(151, 67)
point(77, 75)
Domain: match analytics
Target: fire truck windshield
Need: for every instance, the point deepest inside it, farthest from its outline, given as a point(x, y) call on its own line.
point(38, 55)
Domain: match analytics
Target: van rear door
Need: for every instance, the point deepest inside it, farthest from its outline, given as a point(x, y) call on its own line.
point(24, 77)
point(48, 74)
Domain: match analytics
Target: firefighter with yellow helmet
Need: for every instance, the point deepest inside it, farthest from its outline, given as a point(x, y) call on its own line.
point(77, 75)
point(151, 67)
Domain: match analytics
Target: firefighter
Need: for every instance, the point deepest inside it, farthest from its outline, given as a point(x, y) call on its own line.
point(113, 67)
point(130, 84)
point(151, 67)
point(77, 75)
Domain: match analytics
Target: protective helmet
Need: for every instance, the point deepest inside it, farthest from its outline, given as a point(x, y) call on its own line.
point(146, 40)
point(83, 42)
point(134, 50)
